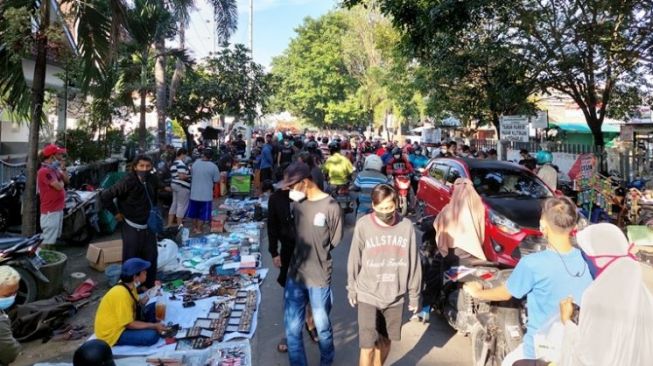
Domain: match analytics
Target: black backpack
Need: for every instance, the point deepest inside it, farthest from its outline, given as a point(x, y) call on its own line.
point(40, 318)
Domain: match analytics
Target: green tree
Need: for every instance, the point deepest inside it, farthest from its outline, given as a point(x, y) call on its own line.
point(26, 29)
point(312, 80)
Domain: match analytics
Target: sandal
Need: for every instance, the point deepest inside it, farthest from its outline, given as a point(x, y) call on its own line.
point(282, 347)
point(313, 334)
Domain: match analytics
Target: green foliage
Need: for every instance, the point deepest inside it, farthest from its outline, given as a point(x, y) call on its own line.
point(344, 70)
point(114, 140)
point(80, 146)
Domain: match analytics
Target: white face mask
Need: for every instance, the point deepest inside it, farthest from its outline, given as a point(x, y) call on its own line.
point(296, 196)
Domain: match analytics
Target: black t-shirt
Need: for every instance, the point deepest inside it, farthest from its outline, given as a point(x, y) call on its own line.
point(286, 154)
point(318, 226)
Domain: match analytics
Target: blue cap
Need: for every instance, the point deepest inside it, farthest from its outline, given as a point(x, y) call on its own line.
point(134, 266)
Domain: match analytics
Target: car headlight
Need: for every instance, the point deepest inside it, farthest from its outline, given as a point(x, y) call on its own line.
point(503, 223)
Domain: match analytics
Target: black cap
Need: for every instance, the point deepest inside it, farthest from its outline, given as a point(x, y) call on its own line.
point(294, 173)
point(94, 352)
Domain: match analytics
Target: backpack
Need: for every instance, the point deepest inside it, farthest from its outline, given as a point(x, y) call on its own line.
point(40, 318)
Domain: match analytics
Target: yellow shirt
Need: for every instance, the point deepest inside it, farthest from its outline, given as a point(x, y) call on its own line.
point(116, 310)
point(338, 168)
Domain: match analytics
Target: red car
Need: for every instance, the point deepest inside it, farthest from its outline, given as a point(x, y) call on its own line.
point(512, 196)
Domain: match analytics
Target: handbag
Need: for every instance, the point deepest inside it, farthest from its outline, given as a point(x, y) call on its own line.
point(154, 219)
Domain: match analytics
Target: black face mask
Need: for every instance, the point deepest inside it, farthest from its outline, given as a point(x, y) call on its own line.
point(142, 174)
point(388, 218)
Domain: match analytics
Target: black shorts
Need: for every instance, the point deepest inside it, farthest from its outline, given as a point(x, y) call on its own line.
point(374, 322)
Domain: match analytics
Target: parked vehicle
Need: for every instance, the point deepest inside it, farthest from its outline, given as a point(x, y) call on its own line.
point(11, 202)
point(511, 194)
point(20, 253)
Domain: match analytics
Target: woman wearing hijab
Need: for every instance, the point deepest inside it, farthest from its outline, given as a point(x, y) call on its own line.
point(460, 227)
point(615, 325)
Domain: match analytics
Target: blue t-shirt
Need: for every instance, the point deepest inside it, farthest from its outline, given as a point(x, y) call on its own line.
point(543, 278)
point(267, 160)
point(418, 161)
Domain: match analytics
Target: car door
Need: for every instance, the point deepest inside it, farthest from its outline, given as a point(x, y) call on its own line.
point(432, 190)
point(454, 171)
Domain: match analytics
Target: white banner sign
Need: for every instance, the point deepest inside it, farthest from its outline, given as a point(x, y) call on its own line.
point(514, 128)
point(431, 135)
point(541, 120)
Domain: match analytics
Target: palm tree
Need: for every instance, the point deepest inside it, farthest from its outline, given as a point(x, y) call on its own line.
point(226, 22)
point(25, 31)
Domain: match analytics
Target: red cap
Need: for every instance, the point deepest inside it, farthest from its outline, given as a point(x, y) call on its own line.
point(53, 149)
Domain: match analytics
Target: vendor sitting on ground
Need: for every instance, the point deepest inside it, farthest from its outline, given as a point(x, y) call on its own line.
point(116, 320)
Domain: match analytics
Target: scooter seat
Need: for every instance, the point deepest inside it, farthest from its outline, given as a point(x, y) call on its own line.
point(8, 241)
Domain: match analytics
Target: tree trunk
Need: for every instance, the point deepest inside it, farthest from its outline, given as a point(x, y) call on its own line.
point(496, 121)
point(179, 68)
point(38, 93)
point(597, 133)
point(189, 138)
point(161, 90)
point(141, 125)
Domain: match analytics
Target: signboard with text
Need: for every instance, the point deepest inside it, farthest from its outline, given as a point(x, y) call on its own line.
point(431, 135)
point(514, 128)
point(583, 168)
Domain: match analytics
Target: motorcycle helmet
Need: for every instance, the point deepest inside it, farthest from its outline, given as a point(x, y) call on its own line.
point(334, 147)
point(396, 151)
point(311, 145)
point(373, 162)
point(544, 157)
point(418, 150)
point(93, 352)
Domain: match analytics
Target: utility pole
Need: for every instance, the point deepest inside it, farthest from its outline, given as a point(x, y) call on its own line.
point(251, 28)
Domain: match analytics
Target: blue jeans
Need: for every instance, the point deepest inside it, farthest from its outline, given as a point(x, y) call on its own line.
point(296, 297)
point(141, 337)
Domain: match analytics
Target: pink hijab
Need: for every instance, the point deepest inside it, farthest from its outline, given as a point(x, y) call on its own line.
point(461, 224)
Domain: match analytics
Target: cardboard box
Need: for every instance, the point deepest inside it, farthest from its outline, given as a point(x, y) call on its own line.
point(217, 223)
point(101, 255)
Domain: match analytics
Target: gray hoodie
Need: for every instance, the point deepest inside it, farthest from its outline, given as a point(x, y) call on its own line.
point(384, 264)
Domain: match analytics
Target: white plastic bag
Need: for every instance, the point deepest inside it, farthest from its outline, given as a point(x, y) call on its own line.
point(168, 255)
point(549, 339)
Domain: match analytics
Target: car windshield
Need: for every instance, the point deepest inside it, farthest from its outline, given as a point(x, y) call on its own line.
point(495, 183)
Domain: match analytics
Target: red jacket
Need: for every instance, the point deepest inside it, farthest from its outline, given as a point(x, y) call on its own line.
point(399, 166)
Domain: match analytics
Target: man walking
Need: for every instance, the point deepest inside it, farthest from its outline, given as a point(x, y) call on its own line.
point(136, 193)
point(205, 174)
point(318, 228)
point(51, 180)
point(180, 188)
point(267, 159)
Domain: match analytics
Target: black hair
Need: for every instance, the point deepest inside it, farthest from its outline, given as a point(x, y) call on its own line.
point(181, 152)
point(381, 192)
point(492, 152)
point(126, 279)
point(466, 148)
point(523, 152)
point(452, 143)
point(529, 164)
point(207, 153)
point(140, 158)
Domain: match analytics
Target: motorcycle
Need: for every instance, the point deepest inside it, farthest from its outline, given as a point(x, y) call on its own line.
point(499, 330)
point(11, 202)
point(341, 194)
point(495, 328)
point(20, 253)
point(402, 186)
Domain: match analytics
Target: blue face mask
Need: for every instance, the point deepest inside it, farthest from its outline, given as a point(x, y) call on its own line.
point(6, 302)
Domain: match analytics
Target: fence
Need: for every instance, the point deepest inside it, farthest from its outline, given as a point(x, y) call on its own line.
point(628, 163)
point(9, 170)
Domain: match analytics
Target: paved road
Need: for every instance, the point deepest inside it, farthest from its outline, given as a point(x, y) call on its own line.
point(421, 344)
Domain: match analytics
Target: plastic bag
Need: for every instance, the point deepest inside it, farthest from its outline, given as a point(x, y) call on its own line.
point(168, 255)
point(549, 339)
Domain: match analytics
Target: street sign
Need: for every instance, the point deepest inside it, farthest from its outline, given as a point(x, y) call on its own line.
point(541, 120)
point(431, 135)
point(514, 128)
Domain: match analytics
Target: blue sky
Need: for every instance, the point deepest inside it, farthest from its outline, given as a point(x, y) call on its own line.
point(274, 25)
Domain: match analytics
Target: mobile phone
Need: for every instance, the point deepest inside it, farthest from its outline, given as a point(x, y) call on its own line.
point(188, 304)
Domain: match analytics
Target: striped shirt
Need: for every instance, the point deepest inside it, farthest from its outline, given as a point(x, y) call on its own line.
point(366, 181)
point(179, 167)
